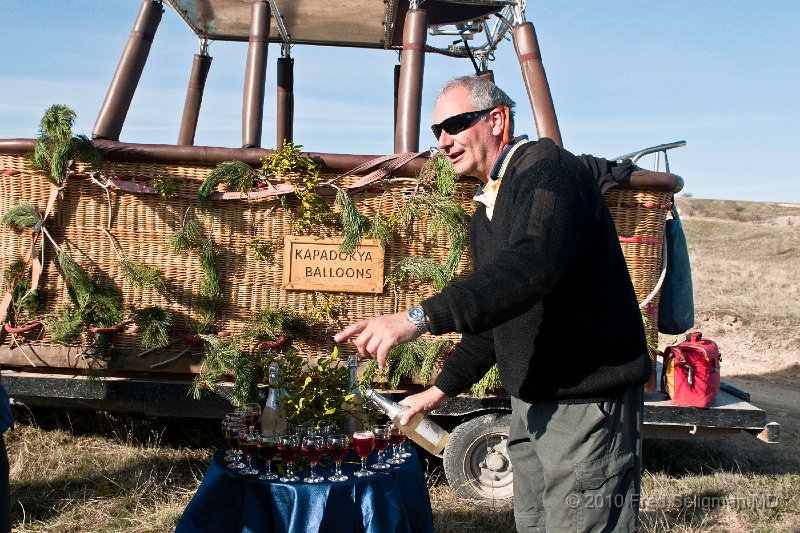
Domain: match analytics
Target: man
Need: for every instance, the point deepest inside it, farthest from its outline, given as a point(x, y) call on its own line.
point(551, 301)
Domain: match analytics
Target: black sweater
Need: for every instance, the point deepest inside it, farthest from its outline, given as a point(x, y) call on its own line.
point(550, 298)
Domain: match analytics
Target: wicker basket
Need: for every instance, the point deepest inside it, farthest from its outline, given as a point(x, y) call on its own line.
point(142, 224)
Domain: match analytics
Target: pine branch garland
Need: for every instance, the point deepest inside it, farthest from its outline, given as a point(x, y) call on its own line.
point(141, 275)
point(424, 269)
point(383, 229)
point(56, 150)
point(23, 300)
point(79, 286)
point(99, 306)
point(223, 356)
point(56, 124)
point(415, 358)
point(445, 213)
point(154, 326)
point(439, 171)
point(490, 381)
point(21, 216)
point(236, 175)
point(245, 384)
point(189, 237)
point(210, 301)
point(67, 327)
point(354, 224)
point(271, 323)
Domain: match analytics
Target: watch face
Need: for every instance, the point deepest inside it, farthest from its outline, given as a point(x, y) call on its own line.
point(416, 315)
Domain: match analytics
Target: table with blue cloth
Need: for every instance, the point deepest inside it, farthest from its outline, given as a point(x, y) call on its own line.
point(393, 501)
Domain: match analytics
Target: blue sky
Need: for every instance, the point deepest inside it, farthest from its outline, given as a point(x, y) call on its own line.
point(723, 75)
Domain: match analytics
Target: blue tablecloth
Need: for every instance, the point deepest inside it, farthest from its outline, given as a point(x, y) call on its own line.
point(392, 502)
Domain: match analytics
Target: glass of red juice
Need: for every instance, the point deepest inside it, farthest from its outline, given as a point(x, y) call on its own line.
point(382, 438)
point(248, 442)
point(313, 448)
point(289, 446)
point(363, 444)
point(338, 446)
point(232, 437)
point(267, 449)
point(396, 438)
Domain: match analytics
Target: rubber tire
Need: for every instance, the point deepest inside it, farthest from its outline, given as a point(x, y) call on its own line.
point(464, 461)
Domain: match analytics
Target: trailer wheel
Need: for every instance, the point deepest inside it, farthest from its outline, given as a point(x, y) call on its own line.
point(476, 461)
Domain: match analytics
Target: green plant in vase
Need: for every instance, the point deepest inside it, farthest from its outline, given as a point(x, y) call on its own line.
point(316, 391)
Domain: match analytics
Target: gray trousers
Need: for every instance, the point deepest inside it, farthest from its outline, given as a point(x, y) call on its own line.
point(577, 467)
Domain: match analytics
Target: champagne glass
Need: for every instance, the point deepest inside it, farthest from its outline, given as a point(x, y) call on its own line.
point(313, 448)
point(338, 446)
point(267, 449)
point(363, 443)
point(404, 451)
point(396, 438)
point(382, 437)
point(248, 442)
point(229, 420)
point(248, 415)
point(232, 436)
point(253, 414)
point(289, 446)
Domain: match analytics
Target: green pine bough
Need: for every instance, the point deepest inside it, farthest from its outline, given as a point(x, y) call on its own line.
point(244, 357)
point(140, 275)
point(444, 212)
point(20, 217)
point(238, 176)
point(305, 174)
point(56, 149)
point(154, 325)
point(25, 303)
point(417, 358)
point(92, 305)
point(191, 238)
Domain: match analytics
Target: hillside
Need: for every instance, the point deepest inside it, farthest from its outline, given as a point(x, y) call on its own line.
point(745, 260)
point(746, 273)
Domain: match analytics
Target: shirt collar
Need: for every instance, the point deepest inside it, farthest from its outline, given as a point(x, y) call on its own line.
point(499, 161)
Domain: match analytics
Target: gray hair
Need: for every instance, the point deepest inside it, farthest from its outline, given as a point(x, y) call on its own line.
point(483, 94)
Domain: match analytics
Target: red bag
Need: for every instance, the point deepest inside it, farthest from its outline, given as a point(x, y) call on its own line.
point(690, 374)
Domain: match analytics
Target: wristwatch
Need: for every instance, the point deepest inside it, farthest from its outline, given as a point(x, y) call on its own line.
point(416, 315)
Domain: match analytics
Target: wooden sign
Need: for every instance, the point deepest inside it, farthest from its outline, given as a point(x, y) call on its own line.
point(316, 264)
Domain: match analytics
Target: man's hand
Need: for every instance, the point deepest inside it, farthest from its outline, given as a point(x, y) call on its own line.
point(422, 402)
point(376, 336)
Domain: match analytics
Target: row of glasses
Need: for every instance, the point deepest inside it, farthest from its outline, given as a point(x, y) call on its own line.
point(379, 437)
point(313, 447)
point(245, 441)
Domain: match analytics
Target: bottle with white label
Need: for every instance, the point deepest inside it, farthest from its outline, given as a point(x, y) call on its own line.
point(354, 407)
point(273, 416)
point(420, 428)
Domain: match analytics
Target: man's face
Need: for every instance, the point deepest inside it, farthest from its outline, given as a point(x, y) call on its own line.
point(474, 150)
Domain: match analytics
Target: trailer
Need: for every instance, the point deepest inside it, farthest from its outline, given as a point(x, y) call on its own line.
point(129, 205)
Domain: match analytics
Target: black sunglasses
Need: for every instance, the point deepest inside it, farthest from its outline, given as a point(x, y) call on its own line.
point(457, 123)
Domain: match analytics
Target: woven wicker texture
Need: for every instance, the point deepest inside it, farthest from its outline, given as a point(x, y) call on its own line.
point(142, 224)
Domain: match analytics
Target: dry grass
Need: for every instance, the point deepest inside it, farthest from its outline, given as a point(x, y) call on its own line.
point(97, 472)
point(94, 472)
point(746, 270)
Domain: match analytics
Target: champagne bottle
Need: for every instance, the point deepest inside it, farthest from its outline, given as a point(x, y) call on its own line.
point(273, 416)
point(353, 408)
point(420, 428)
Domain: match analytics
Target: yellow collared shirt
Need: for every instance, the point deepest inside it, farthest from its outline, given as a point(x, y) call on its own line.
point(489, 196)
